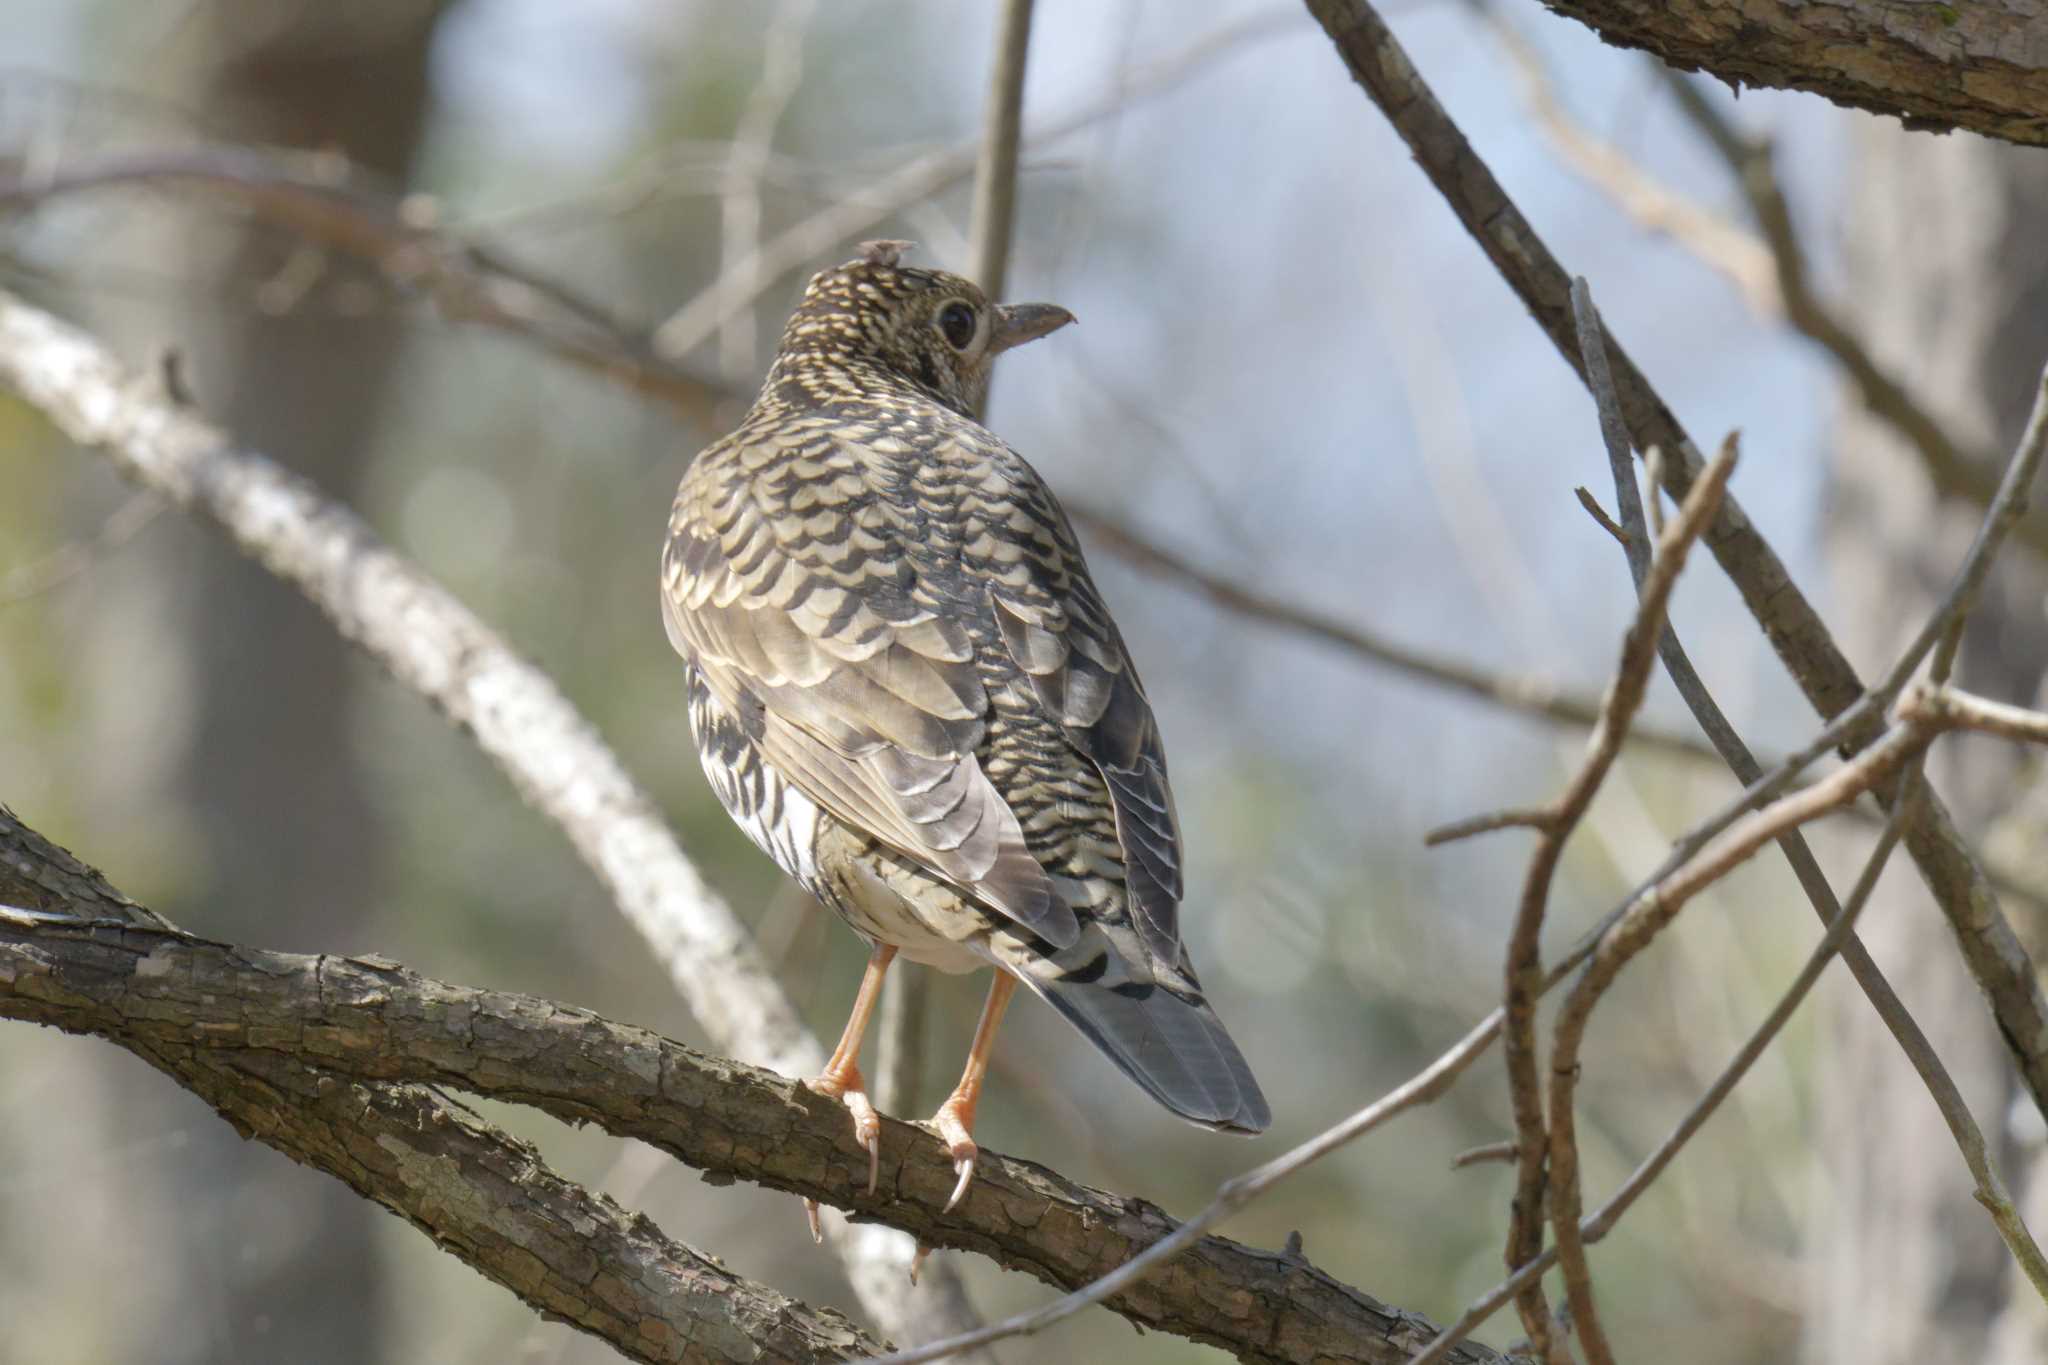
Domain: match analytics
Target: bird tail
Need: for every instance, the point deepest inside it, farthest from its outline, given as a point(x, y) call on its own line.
point(1164, 1037)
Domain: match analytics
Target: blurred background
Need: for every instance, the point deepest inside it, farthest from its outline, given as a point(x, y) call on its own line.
point(1293, 370)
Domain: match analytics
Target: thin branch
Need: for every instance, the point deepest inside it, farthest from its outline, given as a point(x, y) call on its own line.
point(70, 560)
point(1962, 711)
point(1732, 251)
point(1136, 1274)
point(1594, 1228)
point(1523, 969)
point(1966, 895)
point(1946, 621)
point(1524, 692)
point(992, 222)
point(323, 199)
point(902, 1022)
point(1528, 817)
point(782, 65)
point(376, 1023)
point(1954, 468)
point(1600, 517)
point(802, 244)
point(1486, 1151)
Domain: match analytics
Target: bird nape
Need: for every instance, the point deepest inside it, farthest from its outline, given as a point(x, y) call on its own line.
point(907, 690)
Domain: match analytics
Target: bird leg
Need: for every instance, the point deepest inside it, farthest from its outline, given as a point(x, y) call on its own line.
point(841, 1078)
point(955, 1119)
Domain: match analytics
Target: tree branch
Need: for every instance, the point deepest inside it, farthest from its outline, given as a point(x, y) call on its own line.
point(324, 199)
point(1891, 1011)
point(223, 1013)
point(481, 1195)
point(1523, 970)
point(302, 198)
point(1935, 66)
point(1808, 650)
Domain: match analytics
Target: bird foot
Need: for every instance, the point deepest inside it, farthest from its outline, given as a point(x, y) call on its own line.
point(849, 1089)
point(917, 1260)
point(952, 1123)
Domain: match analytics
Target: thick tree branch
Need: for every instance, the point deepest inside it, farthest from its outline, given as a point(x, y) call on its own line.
point(1983, 67)
point(228, 1013)
point(481, 1195)
point(1803, 642)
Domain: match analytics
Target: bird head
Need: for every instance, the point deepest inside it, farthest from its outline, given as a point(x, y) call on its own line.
point(934, 332)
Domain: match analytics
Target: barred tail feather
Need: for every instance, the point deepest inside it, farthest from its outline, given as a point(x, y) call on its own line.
point(1170, 1043)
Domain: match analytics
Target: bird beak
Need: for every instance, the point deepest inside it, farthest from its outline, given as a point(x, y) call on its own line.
point(1017, 323)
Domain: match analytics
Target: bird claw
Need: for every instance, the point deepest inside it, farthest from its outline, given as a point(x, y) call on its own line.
point(850, 1091)
point(811, 1218)
point(960, 1144)
point(917, 1260)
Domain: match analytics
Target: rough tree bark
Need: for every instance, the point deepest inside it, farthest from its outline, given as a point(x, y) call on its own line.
point(255, 1032)
point(1978, 66)
point(1949, 281)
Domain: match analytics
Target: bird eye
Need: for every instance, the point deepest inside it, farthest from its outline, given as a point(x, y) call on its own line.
point(956, 321)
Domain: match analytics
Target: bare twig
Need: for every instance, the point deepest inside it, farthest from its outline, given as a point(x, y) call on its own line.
point(1517, 691)
point(802, 244)
point(1523, 970)
point(782, 65)
point(1600, 517)
point(73, 558)
point(1486, 1151)
point(1597, 1226)
point(1529, 817)
point(323, 199)
point(1945, 624)
point(993, 220)
point(1961, 711)
point(1718, 243)
point(1995, 957)
point(1955, 469)
point(902, 1023)
point(1426, 1085)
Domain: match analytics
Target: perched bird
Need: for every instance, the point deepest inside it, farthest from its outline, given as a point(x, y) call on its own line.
point(906, 689)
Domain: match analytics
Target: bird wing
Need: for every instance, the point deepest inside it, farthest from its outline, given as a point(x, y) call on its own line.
point(798, 616)
point(1058, 631)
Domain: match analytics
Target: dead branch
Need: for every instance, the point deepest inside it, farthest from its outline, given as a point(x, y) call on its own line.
point(483, 1196)
point(1995, 957)
point(238, 1011)
point(1523, 970)
point(1839, 931)
point(299, 194)
point(323, 199)
point(1980, 67)
point(1955, 469)
point(800, 246)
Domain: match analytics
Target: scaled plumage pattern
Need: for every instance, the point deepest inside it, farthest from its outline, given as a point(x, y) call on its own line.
point(907, 690)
